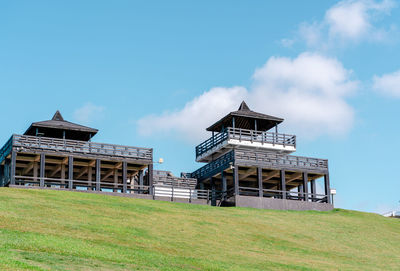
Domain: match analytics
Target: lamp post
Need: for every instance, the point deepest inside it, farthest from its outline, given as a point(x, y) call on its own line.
point(333, 192)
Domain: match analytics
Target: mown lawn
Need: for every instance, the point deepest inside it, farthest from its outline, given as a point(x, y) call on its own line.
point(57, 230)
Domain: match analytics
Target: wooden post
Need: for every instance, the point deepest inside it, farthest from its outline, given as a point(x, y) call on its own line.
point(305, 185)
point(98, 174)
point(224, 185)
point(283, 184)
point(13, 167)
point(213, 195)
point(140, 181)
point(62, 174)
point(236, 179)
point(42, 168)
point(299, 192)
point(260, 182)
point(313, 190)
point(90, 176)
point(115, 180)
point(1, 175)
point(70, 172)
point(327, 188)
point(35, 171)
point(124, 177)
point(150, 178)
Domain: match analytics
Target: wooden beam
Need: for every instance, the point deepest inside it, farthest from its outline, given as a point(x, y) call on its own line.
point(108, 174)
point(293, 177)
point(248, 172)
point(83, 171)
point(27, 169)
point(270, 175)
point(59, 167)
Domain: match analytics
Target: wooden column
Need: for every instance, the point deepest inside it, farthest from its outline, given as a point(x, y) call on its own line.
point(90, 176)
point(115, 180)
point(35, 171)
point(98, 174)
point(150, 178)
point(42, 168)
point(236, 179)
point(140, 181)
point(1, 175)
point(327, 187)
point(13, 167)
point(224, 184)
point(260, 182)
point(283, 184)
point(63, 174)
point(213, 194)
point(305, 185)
point(300, 190)
point(313, 190)
point(70, 172)
point(124, 177)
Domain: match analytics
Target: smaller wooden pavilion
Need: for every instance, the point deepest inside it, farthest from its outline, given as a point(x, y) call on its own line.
point(57, 153)
point(252, 166)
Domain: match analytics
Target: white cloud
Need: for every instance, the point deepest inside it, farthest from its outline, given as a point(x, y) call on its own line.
point(197, 115)
point(388, 84)
point(287, 42)
point(347, 21)
point(309, 92)
point(88, 113)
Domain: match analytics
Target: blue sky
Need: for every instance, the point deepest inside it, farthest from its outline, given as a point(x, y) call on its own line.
point(140, 71)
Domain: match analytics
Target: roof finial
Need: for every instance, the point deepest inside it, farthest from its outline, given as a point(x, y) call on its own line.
point(57, 116)
point(243, 107)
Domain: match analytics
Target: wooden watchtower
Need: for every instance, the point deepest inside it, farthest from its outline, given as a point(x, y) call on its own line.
point(60, 154)
point(249, 163)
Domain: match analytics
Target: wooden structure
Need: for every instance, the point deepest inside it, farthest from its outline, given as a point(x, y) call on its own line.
point(250, 165)
point(59, 154)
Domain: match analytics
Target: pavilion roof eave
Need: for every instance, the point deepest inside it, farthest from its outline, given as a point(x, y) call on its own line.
point(216, 127)
point(63, 125)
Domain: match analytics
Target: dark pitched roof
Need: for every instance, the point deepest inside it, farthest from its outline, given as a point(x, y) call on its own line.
point(245, 119)
point(58, 122)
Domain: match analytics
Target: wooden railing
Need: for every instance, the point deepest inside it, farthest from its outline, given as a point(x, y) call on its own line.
point(80, 184)
point(246, 135)
point(175, 181)
point(253, 158)
point(214, 167)
point(211, 143)
point(273, 159)
point(280, 194)
point(75, 146)
point(6, 149)
point(155, 190)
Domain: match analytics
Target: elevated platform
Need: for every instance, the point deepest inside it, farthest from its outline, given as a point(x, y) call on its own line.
point(243, 157)
point(36, 144)
point(232, 138)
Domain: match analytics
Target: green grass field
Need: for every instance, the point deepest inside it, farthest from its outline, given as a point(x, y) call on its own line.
point(57, 230)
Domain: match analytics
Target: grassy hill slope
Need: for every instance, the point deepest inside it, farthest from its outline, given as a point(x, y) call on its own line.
point(57, 230)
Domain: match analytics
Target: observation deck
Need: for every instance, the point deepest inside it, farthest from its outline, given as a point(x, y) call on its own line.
point(36, 144)
point(231, 138)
